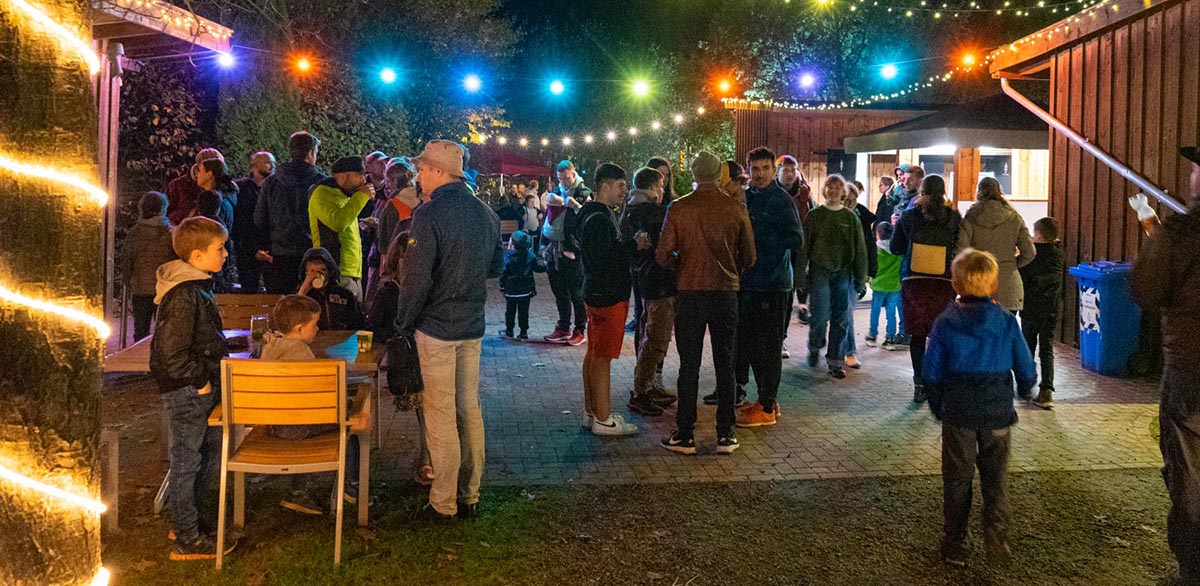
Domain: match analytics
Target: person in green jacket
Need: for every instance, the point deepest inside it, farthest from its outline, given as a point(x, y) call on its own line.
point(834, 260)
point(333, 210)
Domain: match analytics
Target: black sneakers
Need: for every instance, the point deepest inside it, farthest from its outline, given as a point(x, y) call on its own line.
point(727, 444)
point(644, 404)
point(204, 548)
point(919, 394)
point(739, 399)
point(679, 444)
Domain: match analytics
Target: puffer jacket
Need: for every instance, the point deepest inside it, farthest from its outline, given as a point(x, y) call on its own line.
point(188, 344)
point(974, 352)
point(1166, 278)
point(281, 212)
point(992, 226)
point(147, 246)
point(644, 213)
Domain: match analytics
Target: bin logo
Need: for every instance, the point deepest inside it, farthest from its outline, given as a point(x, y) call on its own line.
point(1089, 309)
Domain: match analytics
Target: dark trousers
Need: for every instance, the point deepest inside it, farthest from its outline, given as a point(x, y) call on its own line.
point(143, 315)
point(194, 449)
point(962, 451)
point(696, 311)
point(283, 274)
point(517, 308)
point(567, 286)
point(1039, 334)
point(1179, 440)
point(916, 351)
point(760, 341)
point(249, 270)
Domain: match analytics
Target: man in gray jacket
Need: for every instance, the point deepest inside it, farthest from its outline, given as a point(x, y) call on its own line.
point(453, 248)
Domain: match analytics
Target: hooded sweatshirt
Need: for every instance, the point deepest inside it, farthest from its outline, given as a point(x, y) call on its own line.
point(147, 246)
point(281, 212)
point(645, 213)
point(973, 353)
point(339, 307)
point(606, 279)
point(995, 227)
point(333, 221)
point(188, 344)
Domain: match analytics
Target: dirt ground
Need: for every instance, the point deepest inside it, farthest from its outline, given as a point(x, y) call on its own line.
point(1093, 528)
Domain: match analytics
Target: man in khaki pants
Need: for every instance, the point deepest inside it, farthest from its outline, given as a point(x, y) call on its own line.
point(453, 248)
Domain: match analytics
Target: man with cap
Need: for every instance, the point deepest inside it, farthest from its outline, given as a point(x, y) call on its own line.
point(333, 212)
point(707, 238)
point(1166, 280)
point(453, 248)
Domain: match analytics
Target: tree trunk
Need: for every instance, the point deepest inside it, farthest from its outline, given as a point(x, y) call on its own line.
point(50, 244)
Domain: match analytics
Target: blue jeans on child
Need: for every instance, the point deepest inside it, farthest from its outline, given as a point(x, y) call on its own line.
point(828, 301)
point(194, 449)
point(884, 300)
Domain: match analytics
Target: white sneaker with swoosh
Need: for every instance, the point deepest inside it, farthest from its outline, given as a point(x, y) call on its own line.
point(615, 425)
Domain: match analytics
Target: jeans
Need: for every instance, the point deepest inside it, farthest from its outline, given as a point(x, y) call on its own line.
point(516, 308)
point(283, 274)
point(889, 301)
point(143, 315)
point(827, 300)
point(654, 325)
point(962, 450)
point(194, 449)
point(851, 345)
point(1179, 418)
point(716, 311)
point(453, 420)
point(1039, 334)
point(567, 287)
point(760, 342)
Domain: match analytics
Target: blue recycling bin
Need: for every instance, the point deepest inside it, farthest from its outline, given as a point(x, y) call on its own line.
point(1109, 320)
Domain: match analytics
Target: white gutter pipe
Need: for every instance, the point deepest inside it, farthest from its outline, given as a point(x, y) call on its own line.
point(1108, 160)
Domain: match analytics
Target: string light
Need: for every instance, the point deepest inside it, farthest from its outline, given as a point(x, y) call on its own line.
point(611, 136)
point(174, 17)
point(85, 503)
point(102, 329)
point(502, 140)
point(523, 142)
point(633, 131)
point(82, 48)
point(655, 125)
point(101, 578)
point(588, 138)
point(545, 142)
point(303, 65)
point(54, 175)
point(566, 141)
point(679, 118)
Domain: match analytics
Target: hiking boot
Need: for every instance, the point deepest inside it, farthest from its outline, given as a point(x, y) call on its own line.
point(889, 344)
point(661, 398)
point(837, 372)
point(1045, 399)
point(558, 336)
point(753, 415)
point(301, 502)
point(576, 338)
point(680, 445)
point(614, 425)
point(919, 394)
point(853, 362)
point(644, 404)
point(204, 548)
point(955, 554)
point(871, 341)
point(727, 444)
point(710, 399)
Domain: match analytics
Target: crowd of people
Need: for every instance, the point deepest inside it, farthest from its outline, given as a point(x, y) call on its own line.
point(405, 247)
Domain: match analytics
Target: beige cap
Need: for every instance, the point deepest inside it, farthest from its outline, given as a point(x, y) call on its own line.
point(443, 154)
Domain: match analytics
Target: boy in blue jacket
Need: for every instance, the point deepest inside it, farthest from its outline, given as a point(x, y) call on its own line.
point(974, 351)
point(517, 284)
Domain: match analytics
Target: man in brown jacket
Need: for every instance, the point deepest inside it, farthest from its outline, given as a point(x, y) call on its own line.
point(707, 238)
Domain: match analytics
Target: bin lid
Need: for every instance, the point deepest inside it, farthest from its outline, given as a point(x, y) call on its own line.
point(1102, 270)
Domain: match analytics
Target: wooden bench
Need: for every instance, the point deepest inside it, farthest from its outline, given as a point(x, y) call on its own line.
point(236, 309)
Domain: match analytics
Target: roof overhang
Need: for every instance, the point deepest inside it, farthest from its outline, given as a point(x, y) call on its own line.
point(962, 137)
point(151, 28)
point(1030, 56)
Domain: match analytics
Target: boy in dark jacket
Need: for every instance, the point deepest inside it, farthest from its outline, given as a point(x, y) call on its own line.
point(339, 307)
point(973, 353)
point(654, 292)
point(517, 282)
point(147, 246)
point(1043, 281)
point(185, 359)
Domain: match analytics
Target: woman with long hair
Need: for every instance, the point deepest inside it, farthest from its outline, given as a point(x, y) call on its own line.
point(662, 165)
point(218, 197)
point(992, 225)
point(927, 237)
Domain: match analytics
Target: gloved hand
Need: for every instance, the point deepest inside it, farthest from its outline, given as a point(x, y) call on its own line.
point(1141, 205)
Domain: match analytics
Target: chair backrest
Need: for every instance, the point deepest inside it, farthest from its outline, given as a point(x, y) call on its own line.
point(236, 309)
point(269, 392)
point(508, 227)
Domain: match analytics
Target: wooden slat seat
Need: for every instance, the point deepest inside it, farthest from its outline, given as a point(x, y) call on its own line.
point(302, 456)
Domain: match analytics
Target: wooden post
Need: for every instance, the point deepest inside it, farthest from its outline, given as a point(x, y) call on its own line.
point(966, 176)
point(50, 251)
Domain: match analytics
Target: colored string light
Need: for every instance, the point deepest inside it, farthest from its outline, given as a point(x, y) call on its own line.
point(78, 45)
point(91, 505)
point(54, 175)
point(70, 314)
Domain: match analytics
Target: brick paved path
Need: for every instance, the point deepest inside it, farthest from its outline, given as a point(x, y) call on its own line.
point(865, 425)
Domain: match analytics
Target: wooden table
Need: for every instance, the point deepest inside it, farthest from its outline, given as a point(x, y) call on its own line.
point(336, 344)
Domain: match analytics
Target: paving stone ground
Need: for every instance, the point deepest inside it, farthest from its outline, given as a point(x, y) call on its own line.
point(865, 425)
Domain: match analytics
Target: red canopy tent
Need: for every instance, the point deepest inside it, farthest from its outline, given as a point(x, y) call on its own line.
point(497, 160)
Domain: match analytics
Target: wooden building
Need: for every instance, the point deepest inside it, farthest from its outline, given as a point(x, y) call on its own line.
point(1124, 75)
point(815, 137)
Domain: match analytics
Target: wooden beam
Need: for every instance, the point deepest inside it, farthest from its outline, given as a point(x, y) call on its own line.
point(966, 173)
